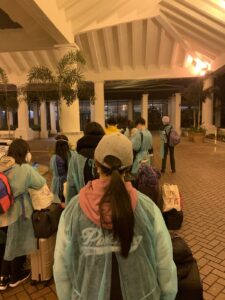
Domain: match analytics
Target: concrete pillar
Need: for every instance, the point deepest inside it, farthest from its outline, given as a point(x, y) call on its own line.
point(130, 110)
point(177, 113)
point(144, 108)
point(98, 109)
point(35, 109)
point(10, 118)
point(44, 131)
point(207, 108)
point(23, 131)
point(218, 112)
point(70, 121)
point(174, 111)
point(53, 117)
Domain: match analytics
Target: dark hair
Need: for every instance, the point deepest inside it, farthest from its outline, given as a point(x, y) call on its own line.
point(116, 194)
point(62, 148)
point(18, 149)
point(111, 121)
point(140, 121)
point(93, 128)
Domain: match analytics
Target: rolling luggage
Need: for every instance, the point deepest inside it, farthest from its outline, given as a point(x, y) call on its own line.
point(189, 282)
point(42, 260)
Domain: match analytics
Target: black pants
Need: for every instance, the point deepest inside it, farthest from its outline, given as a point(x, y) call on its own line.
point(13, 267)
point(172, 160)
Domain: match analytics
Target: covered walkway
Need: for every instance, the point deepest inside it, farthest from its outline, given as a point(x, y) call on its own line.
point(200, 173)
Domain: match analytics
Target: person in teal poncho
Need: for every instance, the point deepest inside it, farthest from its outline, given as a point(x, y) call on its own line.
point(142, 143)
point(112, 242)
point(59, 165)
point(82, 167)
point(20, 240)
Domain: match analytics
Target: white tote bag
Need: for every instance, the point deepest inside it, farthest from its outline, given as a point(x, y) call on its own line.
point(171, 197)
point(41, 198)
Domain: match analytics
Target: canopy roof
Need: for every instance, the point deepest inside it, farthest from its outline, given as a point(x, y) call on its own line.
point(120, 39)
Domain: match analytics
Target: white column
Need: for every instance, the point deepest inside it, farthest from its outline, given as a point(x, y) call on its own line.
point(130, 110)
point(177, 113)
point(218, 112)
point(207, 108)
point(174, 111)
point(144, 108)
point(44, 131)
point(53, 117)
point(70, 121)
point(35, 109)
point(23, 131)
point(98, 109)
point(10, 118)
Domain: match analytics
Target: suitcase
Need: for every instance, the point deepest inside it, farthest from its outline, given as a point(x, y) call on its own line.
point(42, 260)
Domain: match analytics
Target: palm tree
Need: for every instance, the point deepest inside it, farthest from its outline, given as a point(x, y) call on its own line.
point(62, 85)
point(4, 80)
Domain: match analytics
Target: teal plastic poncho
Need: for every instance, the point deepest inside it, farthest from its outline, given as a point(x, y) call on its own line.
point(142, 146)
point(83, 256)
point(20, 235)
point(75, 175)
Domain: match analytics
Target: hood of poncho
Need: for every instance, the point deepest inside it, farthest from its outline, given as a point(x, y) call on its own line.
point(90, 196)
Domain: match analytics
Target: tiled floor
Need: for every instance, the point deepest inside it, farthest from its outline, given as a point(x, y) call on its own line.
point(201, 179)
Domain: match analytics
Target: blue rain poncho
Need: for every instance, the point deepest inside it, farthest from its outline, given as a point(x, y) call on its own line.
point(20, 235)
point(83, 257)
point(59, 174)
point(142, 146)
point(163, 133)
point(75, 176)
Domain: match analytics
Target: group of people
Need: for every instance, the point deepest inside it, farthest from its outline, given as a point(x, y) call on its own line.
point(112, 242)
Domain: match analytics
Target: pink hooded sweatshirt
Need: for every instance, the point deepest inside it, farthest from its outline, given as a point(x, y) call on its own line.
point(90, 196)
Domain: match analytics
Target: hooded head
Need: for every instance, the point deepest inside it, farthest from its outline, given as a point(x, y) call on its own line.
point(165, 120)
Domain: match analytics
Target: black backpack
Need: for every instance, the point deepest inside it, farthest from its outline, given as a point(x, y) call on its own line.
point(189, 282)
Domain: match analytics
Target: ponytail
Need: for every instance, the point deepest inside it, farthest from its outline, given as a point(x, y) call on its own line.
point(117, 196)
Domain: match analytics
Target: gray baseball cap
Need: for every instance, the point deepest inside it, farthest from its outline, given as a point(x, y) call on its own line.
point(117, 145)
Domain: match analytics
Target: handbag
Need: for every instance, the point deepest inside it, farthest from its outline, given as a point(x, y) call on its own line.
point(41, 198)
point(171, 197)
point(45, 221)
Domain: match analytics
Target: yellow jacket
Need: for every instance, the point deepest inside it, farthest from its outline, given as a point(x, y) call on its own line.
point(111, 129)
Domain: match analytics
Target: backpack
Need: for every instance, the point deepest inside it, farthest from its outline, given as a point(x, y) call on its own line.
point(147, 181)
point(174, 138)
point(6, 196)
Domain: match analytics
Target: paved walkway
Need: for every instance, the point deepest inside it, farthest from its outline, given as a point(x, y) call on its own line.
point(200, 176)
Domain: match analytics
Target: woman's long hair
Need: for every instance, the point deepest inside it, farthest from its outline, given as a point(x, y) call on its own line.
point(117, 196)
point(62, 148)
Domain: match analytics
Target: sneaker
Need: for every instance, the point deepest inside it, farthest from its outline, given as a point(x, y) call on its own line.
point(24, 275)
point(4, 282)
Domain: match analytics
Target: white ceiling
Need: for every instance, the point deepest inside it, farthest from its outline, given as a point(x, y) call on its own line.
point(120, 39)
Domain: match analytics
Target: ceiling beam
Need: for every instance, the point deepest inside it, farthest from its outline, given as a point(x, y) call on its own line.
point(192, 35)
point(50, 18)
point(152, 42)
point(176, 49)
point(194, 16)
point(120, 46)
point(195, 26)
point(13, 63)
point(108, 44)
point(93, 52)
point(165, 23)
point(4, 64)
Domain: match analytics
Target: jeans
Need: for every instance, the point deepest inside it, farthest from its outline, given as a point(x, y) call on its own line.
point(172, 160)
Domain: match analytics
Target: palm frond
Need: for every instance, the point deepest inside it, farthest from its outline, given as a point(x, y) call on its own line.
point(40, 74)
